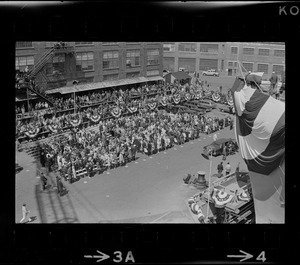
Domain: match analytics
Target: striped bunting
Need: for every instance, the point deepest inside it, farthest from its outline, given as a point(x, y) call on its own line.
point(260, 128)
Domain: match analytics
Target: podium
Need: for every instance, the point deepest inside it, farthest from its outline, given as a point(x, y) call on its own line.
point(200, 182)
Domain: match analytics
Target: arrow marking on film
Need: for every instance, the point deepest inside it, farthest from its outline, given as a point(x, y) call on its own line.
point(101, 257)
point(245, 257)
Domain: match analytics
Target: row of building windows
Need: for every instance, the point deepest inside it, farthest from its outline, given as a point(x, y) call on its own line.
point(262, 52)
point(191, 47)
point(187, 47)
point(28, 44)
point(24, 44)
point(206, 64)
point(214, 48)
point(85, 60)
point(261, 67)
point(23, 61)
point(264, 68)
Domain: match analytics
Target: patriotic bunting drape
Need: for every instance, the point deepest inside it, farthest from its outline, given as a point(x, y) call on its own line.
point(260, 126)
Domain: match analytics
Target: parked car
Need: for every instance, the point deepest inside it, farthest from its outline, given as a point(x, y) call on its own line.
point(216, 147)
point(211, 72)
point(265, 86)
point(182, 69)
point(226, 109)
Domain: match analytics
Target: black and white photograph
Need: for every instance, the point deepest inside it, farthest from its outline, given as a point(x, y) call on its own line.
point(150, 132)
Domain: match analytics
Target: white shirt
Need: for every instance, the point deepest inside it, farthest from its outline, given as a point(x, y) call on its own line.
point(24, 210)
point(228, 167)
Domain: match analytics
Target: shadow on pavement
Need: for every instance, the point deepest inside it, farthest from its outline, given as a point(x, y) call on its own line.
point(53, 207)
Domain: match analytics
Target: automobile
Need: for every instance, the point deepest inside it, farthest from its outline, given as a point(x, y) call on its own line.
point(216, 147)
point(208, 103)
point(211, 72)
point(226, 109)
point(265, 85)
point(182, 69)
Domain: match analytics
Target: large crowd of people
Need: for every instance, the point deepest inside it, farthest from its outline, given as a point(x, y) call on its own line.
point(61, 103)
point(57, 119)
point(118, 140)
point(120, 137)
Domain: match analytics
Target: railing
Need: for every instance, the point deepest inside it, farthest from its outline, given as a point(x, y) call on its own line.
point(36, 67)
point(82, 105)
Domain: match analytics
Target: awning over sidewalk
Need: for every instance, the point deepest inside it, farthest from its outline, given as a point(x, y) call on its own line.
point(155, 78)
point(98, 85)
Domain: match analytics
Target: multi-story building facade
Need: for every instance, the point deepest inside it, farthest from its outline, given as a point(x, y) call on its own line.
point(223, 57)
point(89, 62)
point(255, 57)
point(193, 56)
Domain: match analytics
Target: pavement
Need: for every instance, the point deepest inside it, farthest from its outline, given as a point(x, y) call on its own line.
point(149, 190)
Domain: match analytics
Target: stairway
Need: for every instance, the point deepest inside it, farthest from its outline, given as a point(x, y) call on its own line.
point(30, 87)
point(34, 69)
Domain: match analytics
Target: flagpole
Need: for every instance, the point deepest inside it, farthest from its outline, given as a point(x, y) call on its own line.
point(209, 178)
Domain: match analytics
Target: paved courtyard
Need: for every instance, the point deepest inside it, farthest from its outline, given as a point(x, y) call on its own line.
point(149, 190)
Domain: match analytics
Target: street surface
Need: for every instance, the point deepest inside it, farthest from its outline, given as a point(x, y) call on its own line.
point(150, 190)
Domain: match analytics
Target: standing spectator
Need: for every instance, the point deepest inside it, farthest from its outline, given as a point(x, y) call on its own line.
point(231, 124)
point(227, 169)
point(42, 157)
point(25, 213)
point(224, 152)
point(58, 185)
point(220, 168)
point(273, 80)
point(44, 181)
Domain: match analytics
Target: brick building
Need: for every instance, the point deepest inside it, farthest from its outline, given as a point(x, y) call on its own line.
point(223, 56)
point(90, 62)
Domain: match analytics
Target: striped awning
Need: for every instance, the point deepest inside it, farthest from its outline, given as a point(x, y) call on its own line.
point(98, 85)
point(260, 127)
